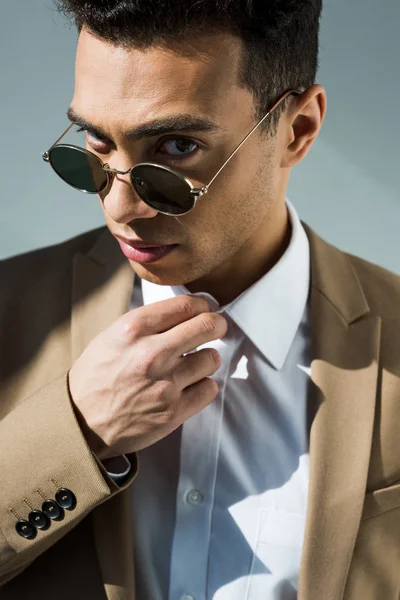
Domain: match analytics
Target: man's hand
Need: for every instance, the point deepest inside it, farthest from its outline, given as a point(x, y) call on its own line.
point(132, 385)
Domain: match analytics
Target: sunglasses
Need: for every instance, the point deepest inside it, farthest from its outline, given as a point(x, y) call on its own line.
point(160, 187)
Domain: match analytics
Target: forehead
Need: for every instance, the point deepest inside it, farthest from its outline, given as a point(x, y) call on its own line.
point(197, 75)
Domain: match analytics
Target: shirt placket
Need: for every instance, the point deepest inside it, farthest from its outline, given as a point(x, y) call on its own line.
point(196, 488)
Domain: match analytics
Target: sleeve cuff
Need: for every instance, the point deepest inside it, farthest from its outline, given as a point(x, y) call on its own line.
point(117, 467)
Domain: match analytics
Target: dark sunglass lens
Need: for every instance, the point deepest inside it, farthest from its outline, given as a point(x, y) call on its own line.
point(80, 169)
point(162, 190)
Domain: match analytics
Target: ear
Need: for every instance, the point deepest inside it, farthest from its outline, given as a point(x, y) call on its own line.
point(302, 124)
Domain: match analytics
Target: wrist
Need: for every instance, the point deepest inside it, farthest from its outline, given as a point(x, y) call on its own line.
point(93, 440)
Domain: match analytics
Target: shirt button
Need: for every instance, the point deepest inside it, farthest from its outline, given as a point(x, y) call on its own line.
point(194, 497)
point(188, 597)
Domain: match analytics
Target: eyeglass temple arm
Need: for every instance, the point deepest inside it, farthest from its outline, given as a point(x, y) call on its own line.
point(45, 155)
point(203, 190)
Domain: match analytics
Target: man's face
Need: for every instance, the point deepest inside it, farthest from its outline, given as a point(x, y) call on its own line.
point(119, 89)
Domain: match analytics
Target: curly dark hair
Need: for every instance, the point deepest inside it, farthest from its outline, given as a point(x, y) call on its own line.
point(280, 37)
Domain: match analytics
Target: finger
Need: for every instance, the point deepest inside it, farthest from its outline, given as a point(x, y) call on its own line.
point(196, 397)
point(188, 336)
point(195, 367)
point(164, 315)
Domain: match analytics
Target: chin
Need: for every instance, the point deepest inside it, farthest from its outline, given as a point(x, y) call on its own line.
point(177, 274)
point(160, 276)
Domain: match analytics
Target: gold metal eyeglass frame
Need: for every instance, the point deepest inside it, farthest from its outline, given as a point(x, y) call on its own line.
point(195, 192)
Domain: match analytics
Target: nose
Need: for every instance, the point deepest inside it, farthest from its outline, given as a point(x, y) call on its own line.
point(122, 203)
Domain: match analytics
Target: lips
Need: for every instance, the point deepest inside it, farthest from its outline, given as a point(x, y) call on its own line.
point(141, 244)
point(143, 252)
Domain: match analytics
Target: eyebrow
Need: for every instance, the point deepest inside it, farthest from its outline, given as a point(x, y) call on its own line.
point(174, 123)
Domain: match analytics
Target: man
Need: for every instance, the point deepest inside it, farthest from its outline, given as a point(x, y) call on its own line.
point(200, 400)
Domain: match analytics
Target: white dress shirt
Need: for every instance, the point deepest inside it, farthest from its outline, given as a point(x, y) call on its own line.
point(219, 505)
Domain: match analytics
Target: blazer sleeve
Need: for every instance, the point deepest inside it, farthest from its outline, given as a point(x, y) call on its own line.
point(44, 458)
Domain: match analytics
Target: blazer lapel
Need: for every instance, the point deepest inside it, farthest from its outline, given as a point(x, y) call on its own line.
point(344, 371)
point(101, 293)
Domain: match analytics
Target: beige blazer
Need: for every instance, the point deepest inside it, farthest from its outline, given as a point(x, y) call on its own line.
point(55, 300)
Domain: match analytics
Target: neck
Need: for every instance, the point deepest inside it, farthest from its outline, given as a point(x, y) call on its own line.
point(254, 259)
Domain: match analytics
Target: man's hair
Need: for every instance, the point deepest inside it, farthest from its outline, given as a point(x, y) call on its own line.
point(280, 37)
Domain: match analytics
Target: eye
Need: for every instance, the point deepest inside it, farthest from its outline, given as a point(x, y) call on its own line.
point(179, 147)
point(174, 148)
point(92, 134)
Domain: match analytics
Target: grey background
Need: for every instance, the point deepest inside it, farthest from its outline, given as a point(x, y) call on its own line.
point(346, 188)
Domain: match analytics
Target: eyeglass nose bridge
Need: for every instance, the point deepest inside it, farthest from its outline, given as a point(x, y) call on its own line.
point(196, 192)
point(114, 172)
point(108, 169)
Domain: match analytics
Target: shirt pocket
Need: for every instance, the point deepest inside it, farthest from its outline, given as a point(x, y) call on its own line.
point(277, 554)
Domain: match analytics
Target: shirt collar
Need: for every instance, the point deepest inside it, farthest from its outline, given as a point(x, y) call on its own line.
point(270, 311)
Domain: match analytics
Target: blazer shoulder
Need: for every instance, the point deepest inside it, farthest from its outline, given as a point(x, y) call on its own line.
point(79, 243)
point(24, 270)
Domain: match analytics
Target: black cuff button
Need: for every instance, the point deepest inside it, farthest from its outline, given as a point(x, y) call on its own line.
point(26, 529)
point(66, 499)
point(39, 520)
point(52, 510)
